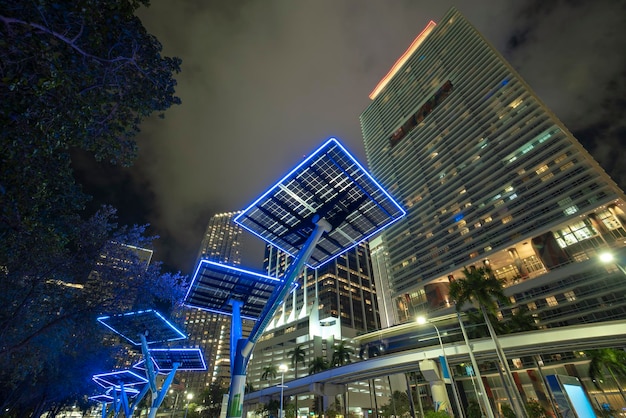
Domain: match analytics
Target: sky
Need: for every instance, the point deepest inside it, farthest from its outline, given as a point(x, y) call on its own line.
point(264, 83)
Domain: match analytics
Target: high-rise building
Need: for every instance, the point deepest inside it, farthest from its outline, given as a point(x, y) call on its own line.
point(209, 331)
point(489, 176)
point(328, 306)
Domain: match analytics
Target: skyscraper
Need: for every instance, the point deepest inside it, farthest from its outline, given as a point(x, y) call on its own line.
point(329, 305)
point(222, 243)
point(489, 177)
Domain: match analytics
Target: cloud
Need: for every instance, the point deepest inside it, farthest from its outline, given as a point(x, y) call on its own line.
point(264, 83)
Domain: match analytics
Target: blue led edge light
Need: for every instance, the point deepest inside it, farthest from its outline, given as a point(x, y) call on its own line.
point(181, 335)
point(128, 390)
point(102, 381)
point(101, 398)
point(181, 350)
point(315, 154)
point(224, 267)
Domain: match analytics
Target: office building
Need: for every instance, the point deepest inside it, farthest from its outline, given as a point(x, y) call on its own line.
point(211, 332)
point(330, 305)
point(489, 176)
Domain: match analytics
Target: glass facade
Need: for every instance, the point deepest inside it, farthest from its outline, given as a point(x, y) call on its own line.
point(488, 176)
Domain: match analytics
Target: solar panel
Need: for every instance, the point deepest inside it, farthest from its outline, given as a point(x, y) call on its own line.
point(214, 285)
point(149, 322)
point(331, 184)
point(101, 398)
point(189, 359)
point(119, 378)
point(129, 390)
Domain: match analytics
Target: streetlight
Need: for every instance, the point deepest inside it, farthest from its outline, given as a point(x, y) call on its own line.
point(175, 401)
point(283, 369)
point(608, 257)
point(189, 398)
point(422, 320)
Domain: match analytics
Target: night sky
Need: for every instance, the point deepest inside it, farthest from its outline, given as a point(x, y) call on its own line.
point(266, 82)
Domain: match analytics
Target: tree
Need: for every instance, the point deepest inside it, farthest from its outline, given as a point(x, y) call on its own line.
point(78, 75)
point(342, 354)
point(297, 356)
point(75, 76)
point(611, 360)
point(398, 405)
point(48, 312)
point(535, 410)
point(482, 288)
point(269, 373)
point(318, 364)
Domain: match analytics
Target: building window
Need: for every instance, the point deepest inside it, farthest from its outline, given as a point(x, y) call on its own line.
point(551, 301)
point(418, 117)
point(532, 306)
point(570, 296)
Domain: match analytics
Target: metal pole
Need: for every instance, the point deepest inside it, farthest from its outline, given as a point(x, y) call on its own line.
point(482, 397)
point(282, 389)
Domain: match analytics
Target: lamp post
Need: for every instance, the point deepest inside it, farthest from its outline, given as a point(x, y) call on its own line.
point(175, 401)
point(422, 320)
point(189, 398)
point(283, 369)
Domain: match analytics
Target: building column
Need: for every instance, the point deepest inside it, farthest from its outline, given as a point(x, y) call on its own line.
point(431, 372)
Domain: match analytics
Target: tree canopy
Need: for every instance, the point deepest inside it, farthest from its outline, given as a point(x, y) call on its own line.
point(79, 75)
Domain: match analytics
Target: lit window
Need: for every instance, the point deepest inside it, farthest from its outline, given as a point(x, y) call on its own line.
point(507, 219)
point(542, 169)
point(571, 210)
point(547, 177)
point(551, 300)
point(570, 296)
point(488, 219)
point(532, 306)
point(567, 166)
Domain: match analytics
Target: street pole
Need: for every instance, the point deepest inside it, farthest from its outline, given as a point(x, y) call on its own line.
point(283, 369)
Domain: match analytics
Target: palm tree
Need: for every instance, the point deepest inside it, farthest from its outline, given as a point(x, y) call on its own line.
point(318, 364)
point(520, 321)
point(342, 354)
point(614, 361)
point(269, 373)
point(297, 356)
point(482, 288)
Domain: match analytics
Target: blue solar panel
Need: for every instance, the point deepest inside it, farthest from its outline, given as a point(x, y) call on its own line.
point(102, 398)
point(189, 359)
point(148, 322)
point(331, 184)
point(119, 378)
point(214, 285)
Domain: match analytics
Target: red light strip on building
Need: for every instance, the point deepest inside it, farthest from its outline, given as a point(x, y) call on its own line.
point(400, 62)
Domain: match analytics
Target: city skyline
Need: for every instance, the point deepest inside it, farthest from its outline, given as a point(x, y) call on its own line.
point(257, 78)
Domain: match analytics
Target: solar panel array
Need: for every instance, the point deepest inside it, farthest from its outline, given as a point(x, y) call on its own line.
point(188, 359)
point(214, 285)
point(119, 378)
point(149, 323)
point(331, 184)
